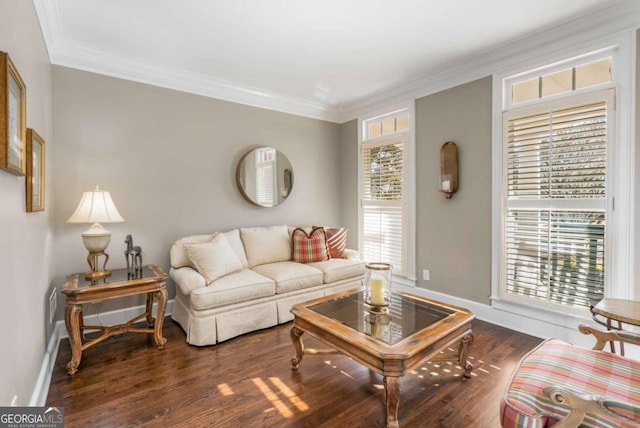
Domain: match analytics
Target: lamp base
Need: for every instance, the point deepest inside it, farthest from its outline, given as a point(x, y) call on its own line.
point(92, 259)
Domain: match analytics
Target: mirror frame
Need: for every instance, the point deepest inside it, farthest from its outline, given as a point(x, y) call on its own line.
point(288, 176)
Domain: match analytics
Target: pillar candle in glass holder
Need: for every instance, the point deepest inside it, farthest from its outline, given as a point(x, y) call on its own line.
point(377, 291)
point(378, 284)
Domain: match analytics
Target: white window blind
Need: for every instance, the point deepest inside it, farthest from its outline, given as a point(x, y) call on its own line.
point(265, 165)
point(264, 184)
point(556, 183)
point(383, 198)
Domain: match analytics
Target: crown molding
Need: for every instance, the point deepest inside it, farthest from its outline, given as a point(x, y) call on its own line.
point(614, 17)
point(81, 58)
point(568, 38)
point(73, 55)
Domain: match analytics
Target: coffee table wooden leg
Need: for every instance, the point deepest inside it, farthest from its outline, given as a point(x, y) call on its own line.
point(73, 320)
point(296, 339)
point(465, 344)
point(162, 305)
point(392, 400)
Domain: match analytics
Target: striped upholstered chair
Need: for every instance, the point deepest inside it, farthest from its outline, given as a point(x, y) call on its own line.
point(562, 385)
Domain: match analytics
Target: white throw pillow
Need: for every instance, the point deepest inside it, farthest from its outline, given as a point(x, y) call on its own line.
point(266, 244)
point(233, 237)
point(213, 259)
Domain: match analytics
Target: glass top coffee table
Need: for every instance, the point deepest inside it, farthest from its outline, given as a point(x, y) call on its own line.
point(391, 342)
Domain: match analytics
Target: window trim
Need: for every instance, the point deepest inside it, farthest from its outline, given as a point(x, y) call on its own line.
point(621, 48)
point(410, 176)
point(508, 82)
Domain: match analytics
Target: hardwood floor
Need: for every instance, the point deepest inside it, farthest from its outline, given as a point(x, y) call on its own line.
point(248, 382)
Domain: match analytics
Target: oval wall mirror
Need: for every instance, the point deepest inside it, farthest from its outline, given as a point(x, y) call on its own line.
point(265, 177)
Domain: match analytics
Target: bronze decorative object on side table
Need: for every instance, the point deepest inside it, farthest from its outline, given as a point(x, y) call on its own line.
point(133, 254)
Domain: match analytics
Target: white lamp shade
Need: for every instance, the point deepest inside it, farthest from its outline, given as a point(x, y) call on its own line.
point(96, 207)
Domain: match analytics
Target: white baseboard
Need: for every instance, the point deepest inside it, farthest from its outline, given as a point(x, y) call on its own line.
point(120, 316)
point(39, 395)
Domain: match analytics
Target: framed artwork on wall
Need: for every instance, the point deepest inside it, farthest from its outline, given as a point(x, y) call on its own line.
point(13, 118)
point(35, 171)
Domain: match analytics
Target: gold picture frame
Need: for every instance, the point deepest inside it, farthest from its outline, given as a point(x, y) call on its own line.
point(13, 118)
point(35, 171)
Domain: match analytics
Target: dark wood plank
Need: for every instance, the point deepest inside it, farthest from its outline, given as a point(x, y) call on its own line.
point(248, 382)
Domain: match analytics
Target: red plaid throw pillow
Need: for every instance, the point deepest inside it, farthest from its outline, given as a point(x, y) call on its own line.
point(311, 247)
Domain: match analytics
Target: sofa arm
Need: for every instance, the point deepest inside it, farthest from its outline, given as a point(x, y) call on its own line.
point(602, 337)
point(187, 279)
point(580, 404)
point(351, 254)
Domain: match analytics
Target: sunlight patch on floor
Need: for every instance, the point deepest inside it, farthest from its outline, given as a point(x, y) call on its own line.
point(225, 389)
point(439, 368)
point(347, 374)
point(287, 392)
point(272, 397)
point(328, 362)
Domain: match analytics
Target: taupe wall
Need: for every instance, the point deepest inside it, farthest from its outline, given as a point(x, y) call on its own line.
point(168, 158)
point(349, 180)
point(25, 238)
point(453, 236)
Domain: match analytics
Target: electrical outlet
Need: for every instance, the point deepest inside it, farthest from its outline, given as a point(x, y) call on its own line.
point(425, 274)
point(53, 305)
point(14, 401)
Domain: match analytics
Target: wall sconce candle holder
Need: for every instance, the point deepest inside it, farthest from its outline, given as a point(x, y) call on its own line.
point(449, 169)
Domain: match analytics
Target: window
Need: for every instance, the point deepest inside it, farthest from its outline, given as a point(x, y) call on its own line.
point(386, 175)
point(265, 163)
point(556, 166)
point(562, 81)
point(563, 211)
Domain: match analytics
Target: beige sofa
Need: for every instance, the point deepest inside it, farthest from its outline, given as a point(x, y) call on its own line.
point(259, 294)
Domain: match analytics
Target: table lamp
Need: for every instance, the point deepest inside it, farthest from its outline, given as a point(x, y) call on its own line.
point(96, 207)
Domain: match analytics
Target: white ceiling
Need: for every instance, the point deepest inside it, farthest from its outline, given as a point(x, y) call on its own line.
point(306, 56)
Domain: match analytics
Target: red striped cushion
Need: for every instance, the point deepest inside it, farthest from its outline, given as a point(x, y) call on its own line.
point(309, 248)
point(585, 371)
point(336, 241)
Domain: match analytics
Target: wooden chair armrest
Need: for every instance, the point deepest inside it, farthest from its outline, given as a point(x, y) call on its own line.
point(581, 404)
point(602, 337)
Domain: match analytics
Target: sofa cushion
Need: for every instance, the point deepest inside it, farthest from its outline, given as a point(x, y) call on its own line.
point(266, 244)
point(309, 247)
point(213, 259)
point(180, 259)
point(290, 276)
point(233, 288)
point(337, 269)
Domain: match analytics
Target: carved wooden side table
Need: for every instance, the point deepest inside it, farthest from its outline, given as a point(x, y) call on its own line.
point(622, 311)
point(150, 281)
